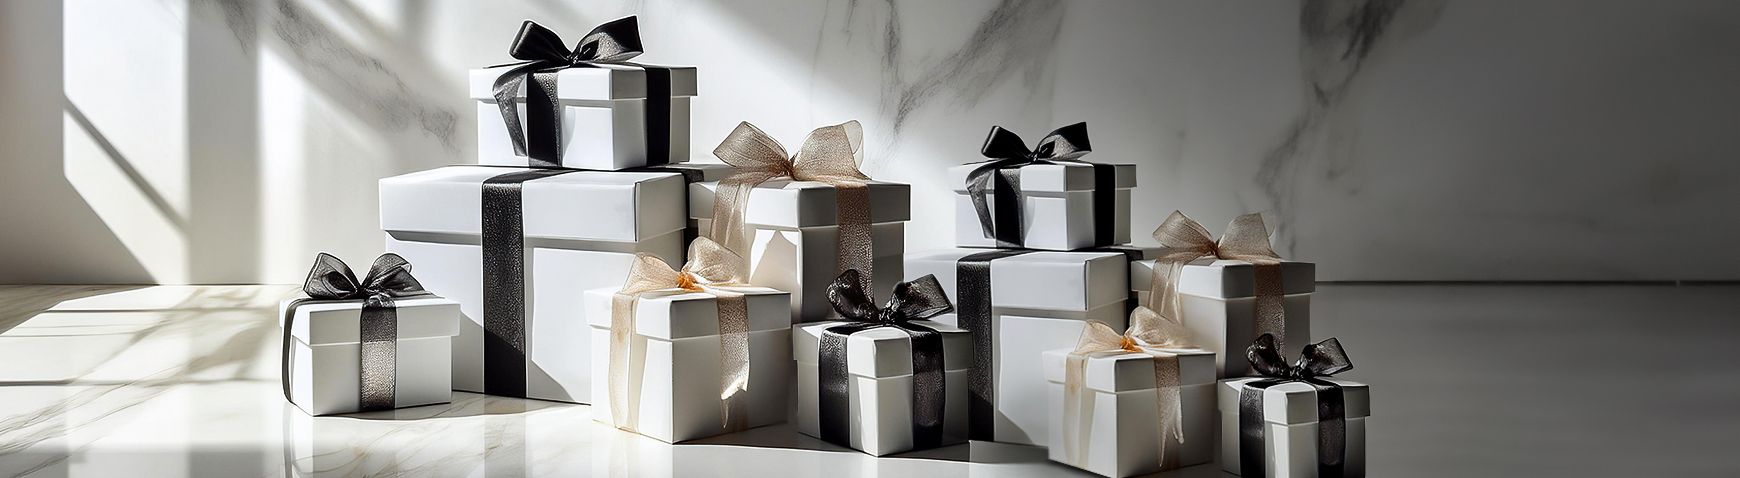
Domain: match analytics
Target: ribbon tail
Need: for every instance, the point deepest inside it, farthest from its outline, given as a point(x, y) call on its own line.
point(730, 199)
point(979, 191)
point(506, 89)
point(1163, 294)
point(854, 241)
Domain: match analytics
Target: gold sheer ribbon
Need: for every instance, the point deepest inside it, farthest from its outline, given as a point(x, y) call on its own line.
point(710, 269)
point(830, 155)
point(1149, 333)
point(1246, 239)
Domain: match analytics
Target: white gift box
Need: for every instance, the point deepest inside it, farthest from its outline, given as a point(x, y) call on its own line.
point(581, 230)
point(1219, 305)
point(603, 111)
point(1290, 427)
point(1039, 302)
point(675, 369)
point(793, 238)
point(325, 353)
point(1057, 209)
point(879, 362)
point(1119, 435)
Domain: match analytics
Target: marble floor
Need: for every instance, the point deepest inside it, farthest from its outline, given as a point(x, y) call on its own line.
point(1469, 380)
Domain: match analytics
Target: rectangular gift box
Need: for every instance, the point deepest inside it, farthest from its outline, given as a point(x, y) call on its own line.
point(1057, 207)
point(1219, 305)
point(1039, 302)
point(1119, 435)
point(581, 229)
point(674, 369)
point(881, 392)
point(325, 353)
point(1290, 417)
point(793, 233)
point(603, 117)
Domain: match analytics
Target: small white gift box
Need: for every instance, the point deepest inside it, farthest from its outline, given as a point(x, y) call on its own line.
point(1290, 427)
point(1039, 302)
point(879, 362)
point(794, 234)
point(581, 231)
point(1118, 434)
point(674, 362)
point(1218, 301)
point(604, 111)
point(324, 353)
point(1057, 208)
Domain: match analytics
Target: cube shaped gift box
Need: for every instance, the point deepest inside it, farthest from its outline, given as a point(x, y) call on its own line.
point(1030, 302)
point(587, 109)
point(515, 247)
point(1278, 423)
point(1041, 199)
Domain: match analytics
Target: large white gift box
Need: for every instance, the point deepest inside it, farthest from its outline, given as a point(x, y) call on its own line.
point(794, 233)
point(1057, 208)
point(581, 229)
point(1118, 434)
point(604, 111)
point(325, 353)
point(674, 362)
point(879, 362)
point(1218, 301)
point(1289, 427)
point(1039, 301)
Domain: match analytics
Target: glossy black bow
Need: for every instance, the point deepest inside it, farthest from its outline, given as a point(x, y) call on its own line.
point(1009, 153)
point(544, 53)
point(921, 298)
point(1063, 144)
point(612, 42)
point(331, 279)
point(1321, 359)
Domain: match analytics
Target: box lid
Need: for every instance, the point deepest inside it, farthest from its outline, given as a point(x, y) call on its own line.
point(1074, 281)
point(1293, 403)
point(332, 323)
point(677, 314)
point(1131, 371)
point(884, 351)
point(603, 83)
point(1050, 178)
point(796, 204)
point(1224, 279)
point(705, 171)
point(615, 206)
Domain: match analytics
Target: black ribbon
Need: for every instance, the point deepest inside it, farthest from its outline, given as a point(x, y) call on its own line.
point(1318, 360)
point(916, 300)
point(504, 281)
point(1002, 176)
point(330, 280)
point(544, 55)
point(973, 293)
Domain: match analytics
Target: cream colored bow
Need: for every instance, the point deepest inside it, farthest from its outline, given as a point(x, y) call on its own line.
point(1150, 334)
point(1246, 239)
point(710, 268)
point(830, 155)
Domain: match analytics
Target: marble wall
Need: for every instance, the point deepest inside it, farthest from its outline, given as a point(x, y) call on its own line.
point(226, 141)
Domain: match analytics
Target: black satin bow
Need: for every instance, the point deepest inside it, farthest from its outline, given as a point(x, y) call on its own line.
point(331, 280)
point(1009, 154)
point(915, 300)
point(544, 54)
point(1317, 361)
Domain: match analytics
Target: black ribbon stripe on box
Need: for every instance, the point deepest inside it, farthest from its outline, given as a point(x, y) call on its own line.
point(331, 281)
point(504, 281)
point(1001, 178)
point(973, 294)
point(916, 300)
point(1318, 360)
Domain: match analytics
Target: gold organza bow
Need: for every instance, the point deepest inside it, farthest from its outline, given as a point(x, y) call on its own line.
point(710, 268)
point(1246, 239)
point(830, 155)
point(1150, 334)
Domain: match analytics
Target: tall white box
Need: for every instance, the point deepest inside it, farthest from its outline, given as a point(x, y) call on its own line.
point(879, 362)
point(603, 117)
point(1119, 434)
point(1218, 301)
point(1039, 302)
point(581, 229)
point(1057, 208)
point(325, 353)
point(1289, 428)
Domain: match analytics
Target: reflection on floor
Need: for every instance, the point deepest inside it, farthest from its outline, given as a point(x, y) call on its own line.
point(1468, 381)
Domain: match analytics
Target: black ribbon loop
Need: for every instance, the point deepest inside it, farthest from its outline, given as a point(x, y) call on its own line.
point(1001, 176)
point(1318, 360)
point(543, 54)
point(919, 299)
point(330, 280)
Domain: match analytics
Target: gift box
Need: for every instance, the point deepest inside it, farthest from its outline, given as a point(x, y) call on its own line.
point(1039, 301)
point(793, 231)
point(1289, 428)
point(1117, 433)
point(879, 362)
point(610, 117)
point(1217, 298)
point(675, 369)
point(1058, 206)
point(324, 349)
point(576, 230)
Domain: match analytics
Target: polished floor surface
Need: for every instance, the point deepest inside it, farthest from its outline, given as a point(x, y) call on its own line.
point(1502, 380)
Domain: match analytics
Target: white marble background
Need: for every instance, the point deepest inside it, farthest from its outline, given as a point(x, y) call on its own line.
point(225, 141)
